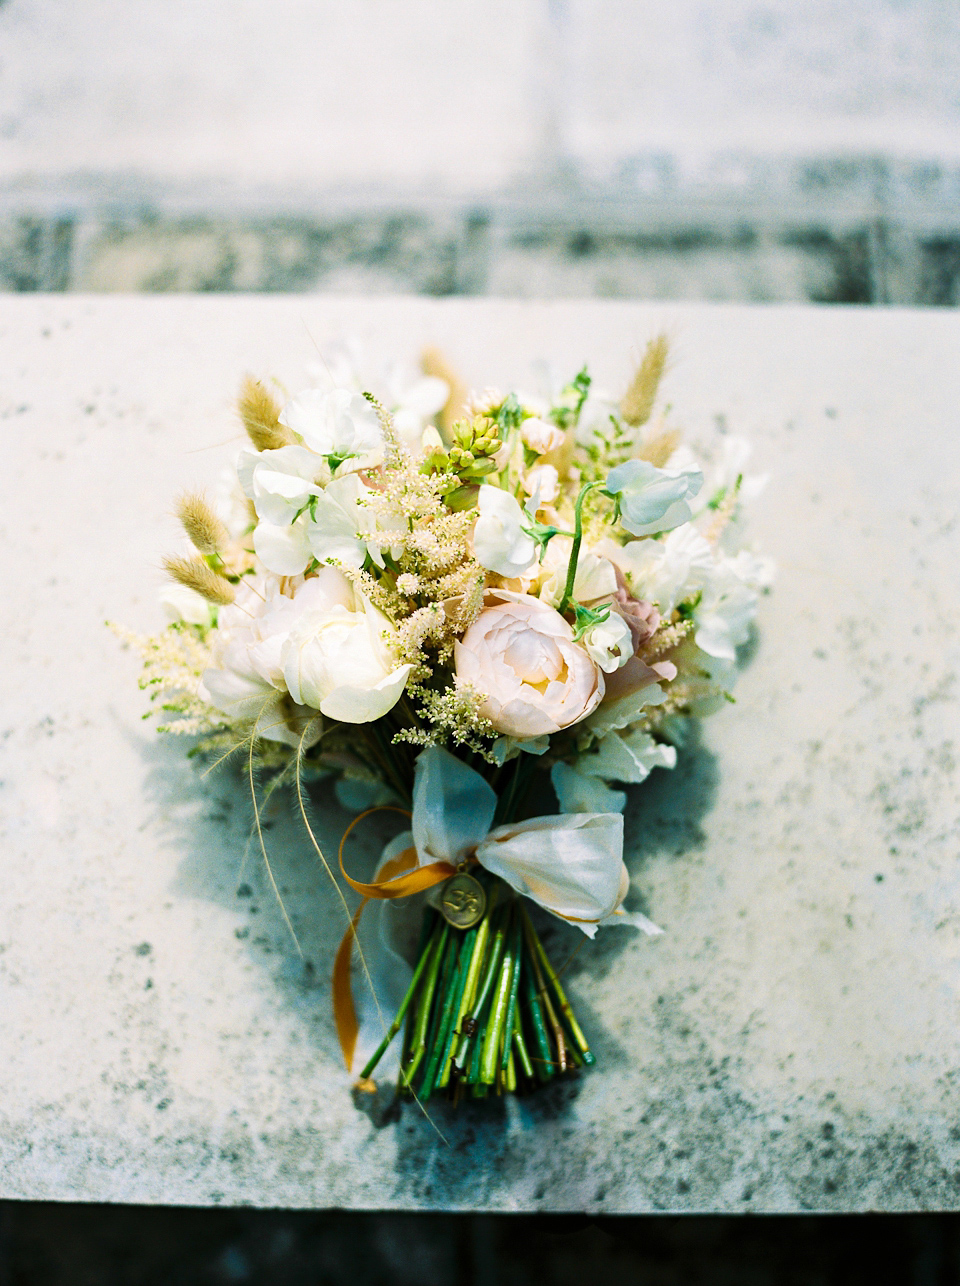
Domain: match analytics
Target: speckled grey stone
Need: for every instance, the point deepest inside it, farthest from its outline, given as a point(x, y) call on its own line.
point(790, 1043)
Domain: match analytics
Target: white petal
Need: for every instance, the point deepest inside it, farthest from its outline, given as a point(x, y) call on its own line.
point(649, 496)
point(284, 550)
point(184, 604)
point(629, 759)
point(499, 542)
point(578, 793)
point(363, 705)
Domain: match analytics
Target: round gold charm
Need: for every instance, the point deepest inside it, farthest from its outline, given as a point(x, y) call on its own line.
point(463, 901)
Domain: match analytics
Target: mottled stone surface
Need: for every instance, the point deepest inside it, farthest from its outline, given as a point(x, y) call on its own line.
point(780, 244)
point(790, 1043)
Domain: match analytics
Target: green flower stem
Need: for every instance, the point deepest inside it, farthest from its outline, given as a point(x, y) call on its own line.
point(447, 972)
point(477, 952)
point(442, 1076)
point(493, 964)
point(498, 1014)
point(544, 996)
point(429, 926)
point(451, 1007)
point(575, 550)
point(521, 1047)
point(516, 954)
point(418, 1045)
point(510, 1073)
point(544, 1057)
point(401, 1012)
point(562, 1001)
point(574, 1056)
point(473, 1075)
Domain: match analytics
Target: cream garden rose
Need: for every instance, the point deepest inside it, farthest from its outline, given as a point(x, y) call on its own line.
point(521, 655)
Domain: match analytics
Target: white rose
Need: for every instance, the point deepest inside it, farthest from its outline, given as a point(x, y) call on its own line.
point(652, 499)
point(540, 436)
point(609, 642)
point(338, 657)
point(521, 655)
point(340, 425)
point(500, 542)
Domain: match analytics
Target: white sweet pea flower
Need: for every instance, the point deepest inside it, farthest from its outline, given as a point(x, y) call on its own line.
point(756, 570)
point(595, 577)
point(500, 542)
point(667, 571)
point(735, 453)
point(342, 525)
point(413, 403)
point(609, 643)
point(540, 436)
point(411, 397)
point(341, 426)
point(335, 532)
point(542, 483)
point(184, 604)
point(280, 482)
point(651, 499)
point(595, 415)
point(728, 604)
point(229, 503)
point(284, 550)
point(339, 657)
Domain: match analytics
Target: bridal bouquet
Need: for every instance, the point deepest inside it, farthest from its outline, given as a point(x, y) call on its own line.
point(422, 600)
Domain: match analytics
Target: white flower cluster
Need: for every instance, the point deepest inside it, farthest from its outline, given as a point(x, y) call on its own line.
point(592, 592)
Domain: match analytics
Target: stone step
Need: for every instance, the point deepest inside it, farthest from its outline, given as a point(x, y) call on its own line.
point(790, 1043)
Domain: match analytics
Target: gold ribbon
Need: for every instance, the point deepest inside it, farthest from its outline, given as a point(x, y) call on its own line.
point(397, 880)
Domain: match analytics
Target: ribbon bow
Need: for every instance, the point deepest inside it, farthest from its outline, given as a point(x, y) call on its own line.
point(571, 864)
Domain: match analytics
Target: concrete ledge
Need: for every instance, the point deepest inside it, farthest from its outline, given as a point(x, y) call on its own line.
point(789, 1044)
point(734, 245)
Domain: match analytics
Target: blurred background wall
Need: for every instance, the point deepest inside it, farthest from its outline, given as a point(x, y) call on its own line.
point(694, 149)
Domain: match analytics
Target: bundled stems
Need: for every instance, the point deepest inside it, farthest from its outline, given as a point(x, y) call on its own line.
point(485, 1011)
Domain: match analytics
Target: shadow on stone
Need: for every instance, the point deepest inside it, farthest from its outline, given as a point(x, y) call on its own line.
point(208, 819)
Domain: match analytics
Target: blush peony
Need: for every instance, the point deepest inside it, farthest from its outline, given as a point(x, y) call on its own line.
point(521, 655)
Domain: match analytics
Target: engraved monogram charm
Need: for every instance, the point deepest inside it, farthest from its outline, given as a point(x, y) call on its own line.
point(463, 901)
